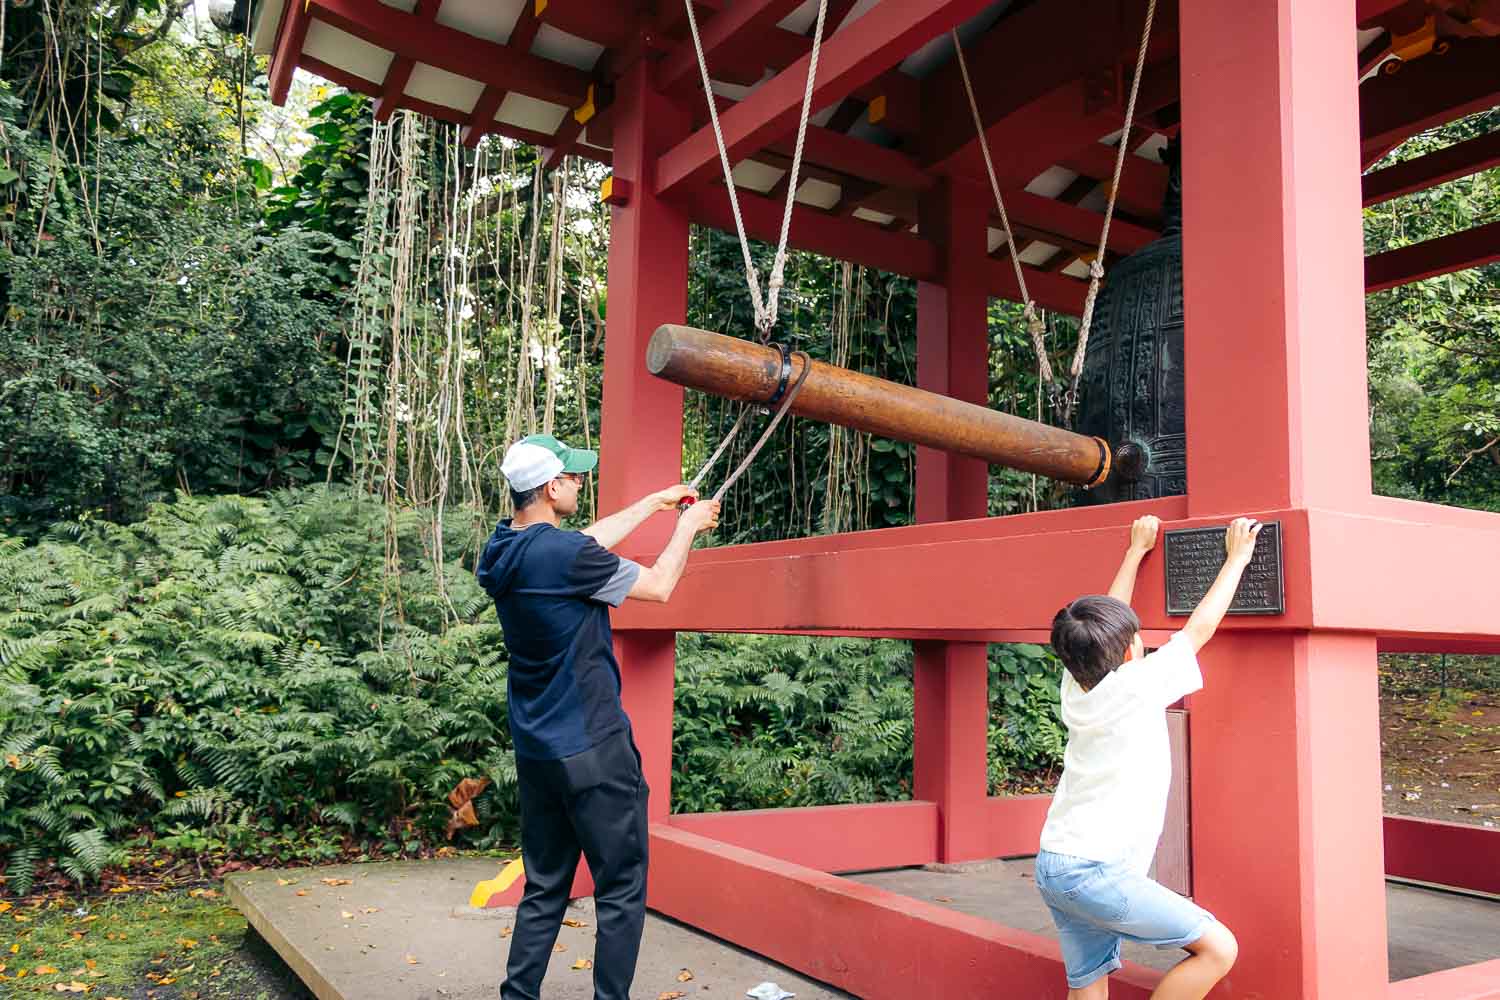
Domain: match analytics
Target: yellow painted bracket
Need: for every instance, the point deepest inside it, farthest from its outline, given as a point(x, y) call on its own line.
point(586, 110)
point(614, 191)
point(489, 888)
point(1416, 44)
point(877, 110)
point(538, 7)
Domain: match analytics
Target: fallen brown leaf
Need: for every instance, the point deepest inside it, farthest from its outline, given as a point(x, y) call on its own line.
point(583, 963)
point(672, 995)
point(685, 976)
point(570, 922)
point(334, 881)
point(346, 914)
point(412, 960)
point(559, 947)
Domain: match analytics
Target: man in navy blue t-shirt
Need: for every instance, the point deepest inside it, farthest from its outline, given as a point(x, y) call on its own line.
point(581, 786)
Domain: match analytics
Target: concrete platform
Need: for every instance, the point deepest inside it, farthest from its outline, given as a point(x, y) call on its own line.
point(404, 931)
point(1429, 930)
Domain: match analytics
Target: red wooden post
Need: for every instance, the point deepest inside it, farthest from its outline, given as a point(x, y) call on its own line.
point(1273, 258)
point(1286, 831)
point(951, 712)
point(641, 421)
point(1286, 826)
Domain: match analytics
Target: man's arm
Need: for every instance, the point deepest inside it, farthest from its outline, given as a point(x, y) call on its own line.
point(656, 582)
point(1142, 540)
point(614, 529)
point(1239, 545)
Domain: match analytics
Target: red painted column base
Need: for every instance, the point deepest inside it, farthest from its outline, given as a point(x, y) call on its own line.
point(855, 937)
point(1454, 854)
point(846, 838)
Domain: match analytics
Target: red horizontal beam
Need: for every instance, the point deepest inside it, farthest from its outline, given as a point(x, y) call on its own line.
point(438, 111)
point(1430, 258)
point(1143, 184)
point(399, 72)
point(1015, 572)
point(1468, 982)
point(1433, 645)
point(859, 158)
point(482, 115)
point(1051, 129)
point(1426, 93)
point(342, 77)
point(291, 33)
point(1369, 11)
point(1454, 854)
point(1048, 215)
point(1439, 584)
point(847, 838)
point(849, 58)
point(1054, 220)
point(737, 26)
point(1013, 824)
point(1019, 60)
point(853, 936)
point(1459, 160)
point(453, 50)
point(848, 155)
point(820, 232)
point(1048, 289)
point(607, 25)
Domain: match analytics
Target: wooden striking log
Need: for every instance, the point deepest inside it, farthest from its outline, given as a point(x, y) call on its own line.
point(738, 369)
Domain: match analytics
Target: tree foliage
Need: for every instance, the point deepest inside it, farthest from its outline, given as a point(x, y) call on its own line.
point(1434, 345)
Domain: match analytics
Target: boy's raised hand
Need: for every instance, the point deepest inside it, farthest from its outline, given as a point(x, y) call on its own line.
point(1239, 539)
point(1143, 532)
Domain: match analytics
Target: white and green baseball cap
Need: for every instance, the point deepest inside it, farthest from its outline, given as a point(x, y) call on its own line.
point(536, 459)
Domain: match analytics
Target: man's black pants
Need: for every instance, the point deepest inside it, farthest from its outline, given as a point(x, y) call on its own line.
point(595, 803)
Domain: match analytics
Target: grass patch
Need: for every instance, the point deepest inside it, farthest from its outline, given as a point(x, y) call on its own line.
point(139, 946)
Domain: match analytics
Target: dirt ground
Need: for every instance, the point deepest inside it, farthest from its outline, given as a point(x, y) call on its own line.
point(1441, 756)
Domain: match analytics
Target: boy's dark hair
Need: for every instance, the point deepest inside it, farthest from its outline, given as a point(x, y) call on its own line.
point(525, 498)
point(1091, 636)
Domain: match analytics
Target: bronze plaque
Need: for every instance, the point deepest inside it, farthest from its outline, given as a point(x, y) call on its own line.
point(1194, 556)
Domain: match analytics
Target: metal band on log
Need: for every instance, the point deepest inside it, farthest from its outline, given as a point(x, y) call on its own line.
point(737, 369)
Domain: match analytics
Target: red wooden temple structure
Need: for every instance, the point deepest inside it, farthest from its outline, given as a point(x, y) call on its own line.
point(1284, 103)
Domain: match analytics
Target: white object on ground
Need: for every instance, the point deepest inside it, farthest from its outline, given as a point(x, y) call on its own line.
point(768, 991)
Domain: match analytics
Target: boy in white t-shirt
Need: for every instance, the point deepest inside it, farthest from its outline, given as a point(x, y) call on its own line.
point(1107, 814)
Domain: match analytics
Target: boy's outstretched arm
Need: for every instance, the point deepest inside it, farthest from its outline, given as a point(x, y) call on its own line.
point(1142, 540)
point(1239, 544)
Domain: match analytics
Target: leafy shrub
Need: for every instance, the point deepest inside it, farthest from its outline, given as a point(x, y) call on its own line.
point(222, 663)
point(768, 721)
point(231, 676)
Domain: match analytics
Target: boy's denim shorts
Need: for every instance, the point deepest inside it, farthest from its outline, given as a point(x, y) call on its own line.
point(1096, 905)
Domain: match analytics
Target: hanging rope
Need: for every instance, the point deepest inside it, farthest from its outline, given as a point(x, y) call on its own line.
point(1063, 403)
point(782, 409)
point(1096, 266)
point(765, 308)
